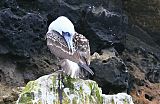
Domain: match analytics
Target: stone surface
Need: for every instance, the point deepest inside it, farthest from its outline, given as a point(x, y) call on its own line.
point(23, 44)
point(146, 15)
point(8, 94)
point(23, 26)
point(110, 71)
point(49, 89)
point(142, 55)
point(127, 29)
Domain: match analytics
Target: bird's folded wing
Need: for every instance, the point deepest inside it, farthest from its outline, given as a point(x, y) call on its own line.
point(82, 48)
point(57, 44)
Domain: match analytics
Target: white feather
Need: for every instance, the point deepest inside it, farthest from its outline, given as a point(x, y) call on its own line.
point(62, 23)
point(70, 68)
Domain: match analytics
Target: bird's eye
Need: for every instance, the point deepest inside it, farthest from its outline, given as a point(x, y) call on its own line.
point(68, 34)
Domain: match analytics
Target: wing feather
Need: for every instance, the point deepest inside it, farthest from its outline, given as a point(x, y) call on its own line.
point(81, 53)
point(82, 47)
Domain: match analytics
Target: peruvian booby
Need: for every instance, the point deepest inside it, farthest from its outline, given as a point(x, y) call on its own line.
point(59, 43)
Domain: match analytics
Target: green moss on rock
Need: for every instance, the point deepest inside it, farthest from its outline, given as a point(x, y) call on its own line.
point(74, 91)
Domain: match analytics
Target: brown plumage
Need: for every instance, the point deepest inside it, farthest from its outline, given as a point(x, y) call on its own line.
point(80, 55)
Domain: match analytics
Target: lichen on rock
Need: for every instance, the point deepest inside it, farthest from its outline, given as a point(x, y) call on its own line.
point(45, 90)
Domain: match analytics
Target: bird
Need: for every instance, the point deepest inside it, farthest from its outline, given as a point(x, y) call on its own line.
point(70, 47)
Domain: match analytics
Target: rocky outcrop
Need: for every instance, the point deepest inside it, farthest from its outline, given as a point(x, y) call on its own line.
point(52, 90)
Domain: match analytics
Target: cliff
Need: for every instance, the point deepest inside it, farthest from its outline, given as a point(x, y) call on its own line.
point(124, 39)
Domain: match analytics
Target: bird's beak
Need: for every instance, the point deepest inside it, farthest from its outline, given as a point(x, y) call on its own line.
point(69, 42)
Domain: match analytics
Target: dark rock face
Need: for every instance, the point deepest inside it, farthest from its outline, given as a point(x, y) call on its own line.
point(110, 71)
point(24, 23)
point(9, 74)
point(102, 19)
point(22, 33)
point(142, 56)
point(24, 55)
point(146, 15)
point(22, 41)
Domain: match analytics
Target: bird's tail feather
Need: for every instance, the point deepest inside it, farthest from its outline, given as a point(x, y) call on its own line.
point(86, 68)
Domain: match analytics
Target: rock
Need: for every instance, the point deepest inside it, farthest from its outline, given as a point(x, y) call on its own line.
point(8, 94)
point(142, 55)
point(23, 44)
point(145, 14)
point(76, 91)
point(24, 24)
point(130, 27)
point(9, 74)
point(22, 33)
point(110, 71)
point(121, 98)
point(109, 27)
point(145, 57)
point(143, 68)
point(104, 25)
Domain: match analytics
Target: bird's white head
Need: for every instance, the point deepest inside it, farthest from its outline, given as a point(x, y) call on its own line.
point(65, 27)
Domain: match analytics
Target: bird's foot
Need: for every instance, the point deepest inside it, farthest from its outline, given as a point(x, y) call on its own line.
point(60, 87)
